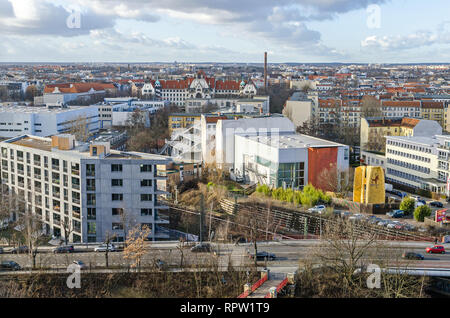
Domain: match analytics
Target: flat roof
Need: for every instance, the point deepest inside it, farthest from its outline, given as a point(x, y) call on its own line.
point(39, 109)
point(429, 141)
point(80, 150)
point(286, 141)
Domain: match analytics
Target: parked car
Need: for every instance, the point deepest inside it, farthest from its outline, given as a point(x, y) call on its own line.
point(262, 256)
point(409, 227)
point(104, 247)
point(374, 220)
point(436, 249)
point(1, 250)
point(317, 209)
point(412, 255)
point(346, 214)
point(201, 247)
point(81, 264)
point(391, 225)
point(383, 223)
point(64, 249)
point(20, 250)
point(396, 214)
point(10, 265)
point(437, 204)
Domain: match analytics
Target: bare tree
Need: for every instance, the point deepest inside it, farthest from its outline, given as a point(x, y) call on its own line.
point(370, 107)
point(79, 127)
point(334, 180)
point(135, 245)
point(67, 228)
point(109, 237)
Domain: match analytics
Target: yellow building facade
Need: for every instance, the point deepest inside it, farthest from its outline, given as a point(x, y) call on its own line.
point(181, 120)
point(368, 185)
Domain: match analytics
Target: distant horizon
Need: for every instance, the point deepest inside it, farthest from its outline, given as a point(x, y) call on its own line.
point(238, 63)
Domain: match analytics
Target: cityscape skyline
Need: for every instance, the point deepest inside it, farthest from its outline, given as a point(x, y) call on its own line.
point(344, 31)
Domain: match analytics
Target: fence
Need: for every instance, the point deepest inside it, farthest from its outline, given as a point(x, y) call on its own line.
point(255, 286)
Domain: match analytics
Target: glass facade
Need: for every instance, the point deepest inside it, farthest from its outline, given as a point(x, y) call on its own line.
point(293, 174)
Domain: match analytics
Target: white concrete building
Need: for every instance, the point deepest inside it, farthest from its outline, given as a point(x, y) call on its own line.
point(217, 134)
point(84, 187)
point(412, 161)
point(44, 121)
point(287, 158)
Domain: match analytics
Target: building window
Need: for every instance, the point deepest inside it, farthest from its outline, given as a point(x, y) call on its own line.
point(90, 170)
point(116, 168)
point(146, 197)
point(91, 213)
point(90, 184)
point(117, 211)
point(146, 212)
point(117, 226)
point(146, 183)
point(117, 197)
point(116, 182)
point(146, 168)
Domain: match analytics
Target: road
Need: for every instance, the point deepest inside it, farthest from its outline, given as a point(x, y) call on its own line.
point(289, 254)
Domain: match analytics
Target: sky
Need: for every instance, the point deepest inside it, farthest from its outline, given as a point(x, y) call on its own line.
point(297, 31)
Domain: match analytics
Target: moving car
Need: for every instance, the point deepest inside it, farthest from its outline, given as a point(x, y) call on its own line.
point(81, 264)
point(64, 249)
point(104, 247)
point(412, 255)
point(436, 249)
point(20, 250)
point(161, 265)
point(262, 256)
point(10, 265)
point(202, 247)
point(317, 209)
point(437, 204)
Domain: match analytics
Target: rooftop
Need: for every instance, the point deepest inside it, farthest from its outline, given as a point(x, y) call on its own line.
point(428, 141)
point(80, 150)
point(38, 110)
point(292, 140)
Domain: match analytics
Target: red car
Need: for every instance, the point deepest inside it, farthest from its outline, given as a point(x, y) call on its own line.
point(436, 249)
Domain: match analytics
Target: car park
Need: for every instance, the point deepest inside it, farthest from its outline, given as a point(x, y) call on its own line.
point(383, 223)
point(202, 247)
point(104, 247)
point(412, 255)
point(436, 249)
point(64, 249)
point(9, 266)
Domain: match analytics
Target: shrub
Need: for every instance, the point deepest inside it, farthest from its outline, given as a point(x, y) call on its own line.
point(263, 188)
point(408, 205)
point(421, 212)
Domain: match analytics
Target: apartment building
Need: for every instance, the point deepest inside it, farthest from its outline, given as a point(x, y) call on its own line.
point(182, 120)
point(433, 111)
point(87, 188)
point(399, 109)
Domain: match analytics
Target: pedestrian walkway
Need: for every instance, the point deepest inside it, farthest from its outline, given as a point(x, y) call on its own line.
point(275, 279)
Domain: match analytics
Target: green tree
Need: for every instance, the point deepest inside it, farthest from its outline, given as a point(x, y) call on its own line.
point(421, 212)
point(408, 205)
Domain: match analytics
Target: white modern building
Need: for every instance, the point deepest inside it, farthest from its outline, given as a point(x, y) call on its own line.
point(83, 190)
point(412, 161)
point(287, 159)
point(44, 121)
point(217, 134)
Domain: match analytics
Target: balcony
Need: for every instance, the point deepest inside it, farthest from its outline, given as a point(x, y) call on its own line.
point(20, 171)
point(76, 215)
point(55, 167)
point(56, 181)
point(56, 194)
point(57, 208)
point(37, 163)
point(77, 201)
point(75, 172)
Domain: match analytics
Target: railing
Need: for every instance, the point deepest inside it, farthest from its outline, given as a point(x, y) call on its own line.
point(254, 287)
point(279, 287)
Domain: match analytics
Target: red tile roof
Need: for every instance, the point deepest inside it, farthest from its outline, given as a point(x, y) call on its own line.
point(395, 103)
point(78, 87)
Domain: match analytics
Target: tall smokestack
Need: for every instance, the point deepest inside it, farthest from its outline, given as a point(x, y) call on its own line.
point(265, 71)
